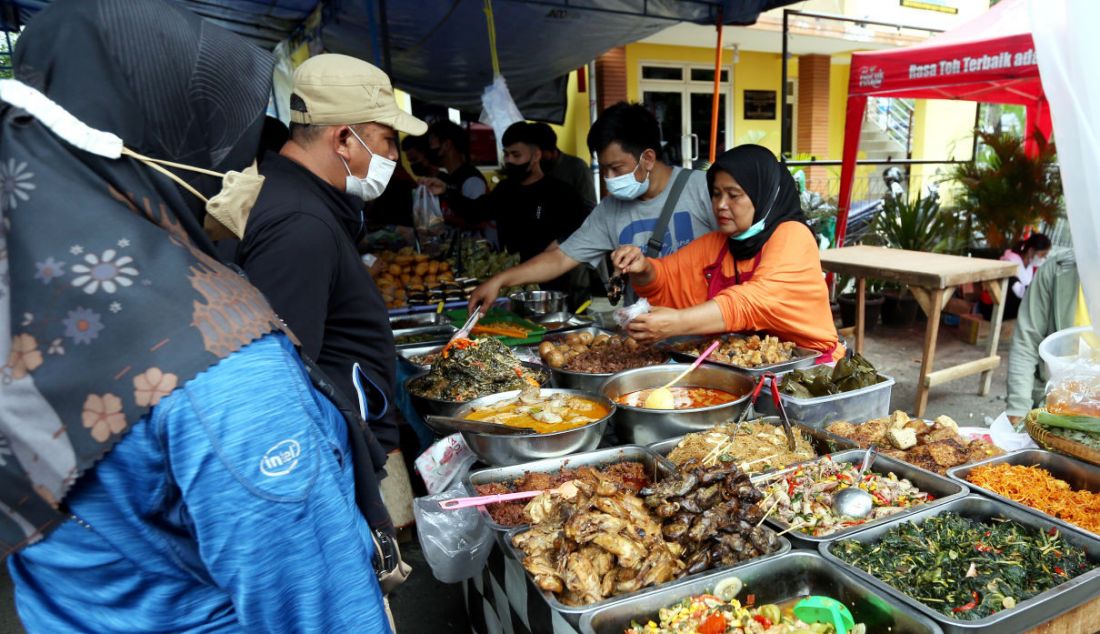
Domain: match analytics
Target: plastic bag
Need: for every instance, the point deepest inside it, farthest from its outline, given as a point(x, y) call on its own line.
point(498, 108)
point(1073, 362)
point(1006, 436)
point(427, 214)
point(627, 314)
point(455, 544)
point(445, 462)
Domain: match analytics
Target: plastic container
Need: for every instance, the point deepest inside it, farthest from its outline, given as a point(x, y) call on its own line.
point(855, 406)
point(1068, 347)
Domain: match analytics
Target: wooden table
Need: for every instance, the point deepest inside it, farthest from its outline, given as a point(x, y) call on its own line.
point(932, 278)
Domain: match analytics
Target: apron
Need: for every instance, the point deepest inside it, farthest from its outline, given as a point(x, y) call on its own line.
point(717, 281)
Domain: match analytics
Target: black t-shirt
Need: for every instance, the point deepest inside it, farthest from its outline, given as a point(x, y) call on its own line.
point(299, 249)
point(530, 217)
point(465, 186)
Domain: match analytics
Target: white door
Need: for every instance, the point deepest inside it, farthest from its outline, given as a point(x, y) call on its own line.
point(681, 97)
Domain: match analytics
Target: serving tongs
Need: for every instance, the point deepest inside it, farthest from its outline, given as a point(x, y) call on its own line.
point(750, 412)
point(464, 331)
point(447, 425)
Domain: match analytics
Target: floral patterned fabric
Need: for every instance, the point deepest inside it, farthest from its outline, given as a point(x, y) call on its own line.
point(108, 299)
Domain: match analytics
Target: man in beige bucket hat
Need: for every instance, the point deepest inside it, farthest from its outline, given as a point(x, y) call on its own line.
point(299, 245)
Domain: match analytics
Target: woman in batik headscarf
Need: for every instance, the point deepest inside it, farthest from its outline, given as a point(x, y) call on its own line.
point(165, 463)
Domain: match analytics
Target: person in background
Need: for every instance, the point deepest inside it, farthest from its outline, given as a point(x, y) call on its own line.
point(567, 168)
point(417, 150)
point(299, 246)
point(1050, 305)
point(759, 271)
point(169, 467)
point(626, 138)
point(532, 211)
point(394, 208)
point(460, 183)
point(1028, 255)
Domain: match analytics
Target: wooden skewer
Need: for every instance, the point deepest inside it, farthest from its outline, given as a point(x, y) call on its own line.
point(768, 513)
point(791, 528)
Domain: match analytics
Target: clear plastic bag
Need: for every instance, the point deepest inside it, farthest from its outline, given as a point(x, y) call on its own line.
point(427, 214)
point(498, 108)
point(1073, 361)
point(455, 544)
point(627, 314)
point(444, 463)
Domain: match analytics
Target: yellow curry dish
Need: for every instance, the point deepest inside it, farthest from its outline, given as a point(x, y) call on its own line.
point(544, 412)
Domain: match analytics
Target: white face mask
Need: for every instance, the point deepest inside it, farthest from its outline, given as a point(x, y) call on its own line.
point(1036, 262)
point(378, 175)
point(626, 187)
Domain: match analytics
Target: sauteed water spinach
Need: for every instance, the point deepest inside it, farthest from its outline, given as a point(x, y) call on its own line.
point(967, 569)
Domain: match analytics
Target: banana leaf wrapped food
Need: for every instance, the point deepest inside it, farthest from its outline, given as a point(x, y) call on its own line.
point(850, 373)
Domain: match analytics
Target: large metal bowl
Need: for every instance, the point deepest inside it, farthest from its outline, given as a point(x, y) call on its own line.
point(536, 303)
point(499, 450)
point(426, 406)
point(642, 426)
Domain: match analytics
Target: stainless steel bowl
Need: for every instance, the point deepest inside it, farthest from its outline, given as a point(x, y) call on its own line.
point(503, 451)
point(426, 406)
point(642, 426)
point(535, 303)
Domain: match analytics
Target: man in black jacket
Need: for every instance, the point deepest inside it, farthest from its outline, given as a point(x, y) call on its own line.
point(299, 246)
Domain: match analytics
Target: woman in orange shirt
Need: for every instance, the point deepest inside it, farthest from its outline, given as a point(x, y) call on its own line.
point(759, 272)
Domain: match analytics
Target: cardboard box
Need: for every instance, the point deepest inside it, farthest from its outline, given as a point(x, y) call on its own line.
point(959, 307)
point(973, 329)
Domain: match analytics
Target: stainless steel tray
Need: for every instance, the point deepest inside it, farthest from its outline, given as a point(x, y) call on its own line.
point(568, 321)
point(574, 613)
point(587, 381)
point(418, 320)
point(405, 355)
point(822, 441)
point(942, 489)
point(656, 466)
point(438, 334)
point(800, 358)
point(776, 579)
point(1079, 475)
point(1027, 614)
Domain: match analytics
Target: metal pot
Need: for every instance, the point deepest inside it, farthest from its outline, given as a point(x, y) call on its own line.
point(426, 406)
point(642, 426)
point(535, 303)
point(501, 451)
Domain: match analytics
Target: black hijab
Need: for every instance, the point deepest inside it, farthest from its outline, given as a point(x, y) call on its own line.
point(770, 187)
point(109, 296)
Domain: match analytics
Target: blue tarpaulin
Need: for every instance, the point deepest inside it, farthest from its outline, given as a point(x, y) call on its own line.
point(438, 49)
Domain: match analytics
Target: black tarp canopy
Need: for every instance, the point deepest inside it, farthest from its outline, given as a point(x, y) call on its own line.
point(438, 49)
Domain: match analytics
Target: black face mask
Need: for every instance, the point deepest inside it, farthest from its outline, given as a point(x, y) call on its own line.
point(420, 169)
point(516, 171)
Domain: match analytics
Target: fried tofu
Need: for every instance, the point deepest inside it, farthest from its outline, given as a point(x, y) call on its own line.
point(873, 431)
point(947, 421)
point(901, 438)
point(898, 419)
point(842, 428)
point(938, 433)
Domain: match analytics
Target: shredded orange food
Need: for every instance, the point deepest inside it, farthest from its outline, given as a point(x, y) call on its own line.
point(1037, 488)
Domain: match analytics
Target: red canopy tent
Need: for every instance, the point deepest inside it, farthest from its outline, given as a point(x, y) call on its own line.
point(989, 59)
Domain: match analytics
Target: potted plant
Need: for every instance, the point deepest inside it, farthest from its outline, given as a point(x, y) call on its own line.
point(915, 225)
point(1009, 191)
point(872, 304)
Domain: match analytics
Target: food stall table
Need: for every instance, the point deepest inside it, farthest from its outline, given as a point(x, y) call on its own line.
point(932, 278)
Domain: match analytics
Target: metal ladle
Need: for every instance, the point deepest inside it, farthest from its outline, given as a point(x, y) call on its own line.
point(855, 502)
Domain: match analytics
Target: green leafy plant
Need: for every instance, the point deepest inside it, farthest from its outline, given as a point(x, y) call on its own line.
point(1011, 190)
point(916, 225)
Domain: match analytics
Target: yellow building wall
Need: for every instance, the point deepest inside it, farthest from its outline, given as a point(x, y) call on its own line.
point(942, 130)
point(572, 133)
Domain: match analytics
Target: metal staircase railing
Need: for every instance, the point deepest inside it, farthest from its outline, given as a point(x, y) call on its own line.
point(894, 117)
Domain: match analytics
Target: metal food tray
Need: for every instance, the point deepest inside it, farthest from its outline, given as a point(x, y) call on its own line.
point(406, 353)
point(942, 489)
point(588, 381)
point(800, 357)
point(656, 465)
point(569, 321)
point(1079, 475)
point(773, 580)
point(417, 320)
point(1027, 614)
point(574, 613)
point(823, 442)
point(440, 334)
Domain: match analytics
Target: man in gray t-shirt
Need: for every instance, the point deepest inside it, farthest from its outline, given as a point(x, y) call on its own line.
point(626, 139)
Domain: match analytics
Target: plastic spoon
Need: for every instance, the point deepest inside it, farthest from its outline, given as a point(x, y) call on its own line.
point(817, 609)
point(661, 398)
point(566, 490)
point(854, 501)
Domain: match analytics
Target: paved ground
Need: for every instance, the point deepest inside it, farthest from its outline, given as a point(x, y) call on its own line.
point(425, 605)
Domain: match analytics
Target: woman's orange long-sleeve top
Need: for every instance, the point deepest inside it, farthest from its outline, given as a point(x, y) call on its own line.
point(786, 297)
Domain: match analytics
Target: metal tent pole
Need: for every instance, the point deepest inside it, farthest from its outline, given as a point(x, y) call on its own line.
point(717, 89)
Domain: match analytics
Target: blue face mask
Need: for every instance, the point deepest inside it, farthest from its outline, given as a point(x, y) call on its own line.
point(758, 226)
point(626, 187)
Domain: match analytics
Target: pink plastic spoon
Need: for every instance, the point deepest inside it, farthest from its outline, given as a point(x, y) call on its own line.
point(567, 490)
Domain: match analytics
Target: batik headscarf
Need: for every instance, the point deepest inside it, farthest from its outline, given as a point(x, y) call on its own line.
point(109, 298)
point(768, 184)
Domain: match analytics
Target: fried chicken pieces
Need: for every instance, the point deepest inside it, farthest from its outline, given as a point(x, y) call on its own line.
point(601, 543)
point(712, 514)
point(936, 447)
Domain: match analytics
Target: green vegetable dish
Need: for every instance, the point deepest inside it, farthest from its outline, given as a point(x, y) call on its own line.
point(848, 375)
point(967, 569)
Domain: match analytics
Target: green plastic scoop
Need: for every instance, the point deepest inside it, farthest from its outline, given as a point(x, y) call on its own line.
point(817, 609)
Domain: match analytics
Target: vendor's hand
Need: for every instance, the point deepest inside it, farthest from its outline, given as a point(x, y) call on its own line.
point(484, 295)
point(659, 323)
point(433, 184)
point(1014, 420)
point(629, 259)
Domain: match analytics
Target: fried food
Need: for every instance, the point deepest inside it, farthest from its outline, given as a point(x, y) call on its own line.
point(754, 446)
point(598, 354)
point(747, 352)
